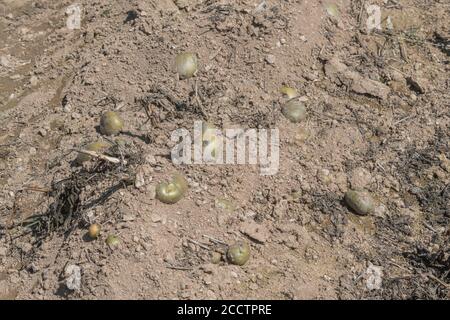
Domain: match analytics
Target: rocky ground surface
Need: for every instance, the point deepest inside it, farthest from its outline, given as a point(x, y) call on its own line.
point(377, 120)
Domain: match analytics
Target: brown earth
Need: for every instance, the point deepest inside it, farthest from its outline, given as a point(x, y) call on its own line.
point(378, 119)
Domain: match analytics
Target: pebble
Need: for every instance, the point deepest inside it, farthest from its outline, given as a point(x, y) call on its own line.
point(311, 76)
point(34, 81)
point(33, 151)
point(207, 280)
point(42, 132)
point(128, 218)
point(73, 277)
point(270, 59)
point(75, 115)
point(380, 211)
point(155, 218)
point(139, 181)
point(67, 107)
point(324, 176)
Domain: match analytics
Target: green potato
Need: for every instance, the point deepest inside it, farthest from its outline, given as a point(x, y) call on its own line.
point(112, 240)
point(187, 64)
point(238, 253)
point(294, 111)
point(289, 92)
point(94, 231)
point(360, 201)
point(111, 123)
point(181, 182)
point(173, 191)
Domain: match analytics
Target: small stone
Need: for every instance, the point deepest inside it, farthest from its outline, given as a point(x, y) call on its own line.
point(76, 115)
point(311, 76)
point(34, 81)
point(128, 218)
point(73, 277)
point(250, 214)
point(380, 210)
point(397, 76)
point(25, 246)
point(5, 61)
point(270, 59)
point(324, 176)
point(374, 277)
point(155, 218)
point(3, 251)
point(34, 268)
point(216, 257)
point(207, 280)
point(42, 132)
point(67, 107)
point(139, 181)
